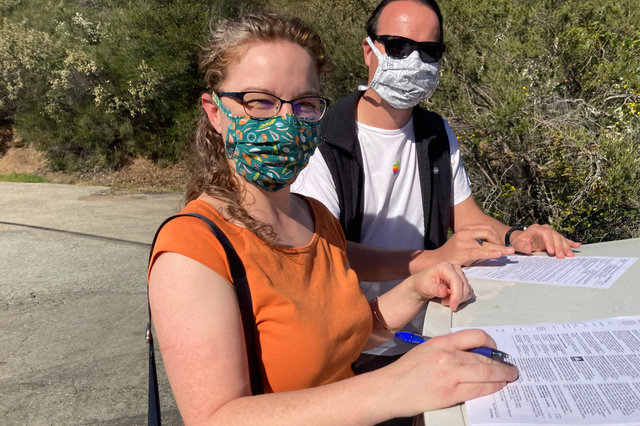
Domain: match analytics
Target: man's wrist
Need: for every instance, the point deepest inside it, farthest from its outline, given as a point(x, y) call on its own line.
point(423, 259)
point(507, 236)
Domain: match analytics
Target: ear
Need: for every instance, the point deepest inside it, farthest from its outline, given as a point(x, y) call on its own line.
point(370, 59)
point(212, 111)
point(367, 52)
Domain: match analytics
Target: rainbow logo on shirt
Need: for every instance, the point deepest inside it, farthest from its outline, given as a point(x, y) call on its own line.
point(396, 168)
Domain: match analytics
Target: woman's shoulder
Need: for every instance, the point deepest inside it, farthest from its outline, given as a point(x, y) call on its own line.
point(319, 211)
point(188, 222)
point(326, 225)
point(195, 217)
point(192, 237)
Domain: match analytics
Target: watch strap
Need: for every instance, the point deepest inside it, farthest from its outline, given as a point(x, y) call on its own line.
point(507, 236)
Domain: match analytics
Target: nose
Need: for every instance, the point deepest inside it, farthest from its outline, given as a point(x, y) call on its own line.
point(286, 108)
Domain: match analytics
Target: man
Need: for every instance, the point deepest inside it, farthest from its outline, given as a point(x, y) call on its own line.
point(391, 170)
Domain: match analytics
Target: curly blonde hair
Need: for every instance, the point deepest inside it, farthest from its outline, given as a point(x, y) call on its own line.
point(227, 42)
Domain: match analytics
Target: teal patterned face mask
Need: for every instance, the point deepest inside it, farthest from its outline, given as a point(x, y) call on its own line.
point(269, 153)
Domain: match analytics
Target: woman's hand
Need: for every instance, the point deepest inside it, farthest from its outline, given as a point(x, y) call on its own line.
point(440, 373)
point(399, 305)
point(445, 281)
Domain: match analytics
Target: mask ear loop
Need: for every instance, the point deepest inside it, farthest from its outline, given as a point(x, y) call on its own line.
point(229, 146)
point(216, 100)
point(373, 47)
point(379, 55)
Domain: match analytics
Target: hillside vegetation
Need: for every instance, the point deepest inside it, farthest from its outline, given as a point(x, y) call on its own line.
point(543, 95)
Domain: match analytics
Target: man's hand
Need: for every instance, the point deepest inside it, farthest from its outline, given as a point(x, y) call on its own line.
point(471, 243)
point(543, 238)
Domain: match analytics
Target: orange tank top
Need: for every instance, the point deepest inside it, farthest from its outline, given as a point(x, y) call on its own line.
point(312, 318)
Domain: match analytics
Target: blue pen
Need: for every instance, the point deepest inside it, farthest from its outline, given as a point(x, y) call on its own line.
point(415, 339)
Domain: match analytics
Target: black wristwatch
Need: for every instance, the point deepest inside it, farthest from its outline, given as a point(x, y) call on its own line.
point(507, 236)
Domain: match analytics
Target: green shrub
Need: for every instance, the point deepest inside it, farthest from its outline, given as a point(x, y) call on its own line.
point(22, 177)
point(544, 96)
point(544, 99)
point(121, 81)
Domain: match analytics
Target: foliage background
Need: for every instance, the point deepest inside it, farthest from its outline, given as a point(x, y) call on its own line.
point(543, 95)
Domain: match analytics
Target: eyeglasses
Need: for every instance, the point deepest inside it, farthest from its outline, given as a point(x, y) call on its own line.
point(264, 105)
point(401, 47)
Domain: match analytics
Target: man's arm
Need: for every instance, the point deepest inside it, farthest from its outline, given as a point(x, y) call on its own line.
point(467, 215)
point(463, 248)
point(378, 264)
point(470, 225)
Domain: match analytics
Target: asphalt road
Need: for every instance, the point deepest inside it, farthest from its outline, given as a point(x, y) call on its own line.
point(73, 306)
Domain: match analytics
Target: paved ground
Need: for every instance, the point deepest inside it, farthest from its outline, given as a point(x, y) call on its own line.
point(73, 304)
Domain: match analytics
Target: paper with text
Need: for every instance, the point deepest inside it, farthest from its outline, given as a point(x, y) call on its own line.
point(584, 271)
point(577, 373)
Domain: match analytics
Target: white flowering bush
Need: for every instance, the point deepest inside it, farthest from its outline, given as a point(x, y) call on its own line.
point(122, 80)
point(25, 58)
point(69, 83)
point(140, 90)
point(79, 28)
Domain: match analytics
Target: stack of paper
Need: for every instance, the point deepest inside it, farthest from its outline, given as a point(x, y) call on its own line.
point(576, 373)
point(586, 271)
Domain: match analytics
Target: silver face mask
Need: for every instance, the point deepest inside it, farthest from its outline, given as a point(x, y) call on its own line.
point(402, 83)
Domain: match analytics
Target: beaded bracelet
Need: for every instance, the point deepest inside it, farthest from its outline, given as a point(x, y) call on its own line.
point(376, 313)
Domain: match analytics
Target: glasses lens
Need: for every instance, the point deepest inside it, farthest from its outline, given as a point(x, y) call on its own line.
point(398, 48)
point(310, 108)
point(430, 52)
point(260, 105)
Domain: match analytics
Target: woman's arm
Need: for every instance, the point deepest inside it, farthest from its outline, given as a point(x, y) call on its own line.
point(199, 331)
point(433, 375)
point(396, 307)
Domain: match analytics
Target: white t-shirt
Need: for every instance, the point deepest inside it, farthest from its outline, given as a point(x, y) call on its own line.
point(393, 216)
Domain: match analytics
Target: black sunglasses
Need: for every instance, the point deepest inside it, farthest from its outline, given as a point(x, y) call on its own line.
point(401, 47)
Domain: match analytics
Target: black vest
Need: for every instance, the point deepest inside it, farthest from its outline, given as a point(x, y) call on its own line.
point(341, 152)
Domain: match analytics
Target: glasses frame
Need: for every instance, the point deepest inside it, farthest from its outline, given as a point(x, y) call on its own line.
point(240, 96)
point(430, 51)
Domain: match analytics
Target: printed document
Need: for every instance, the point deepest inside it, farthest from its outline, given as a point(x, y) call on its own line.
point(584, 271)
point(575, 373)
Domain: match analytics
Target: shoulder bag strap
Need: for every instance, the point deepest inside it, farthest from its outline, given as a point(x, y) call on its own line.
point(243, 293)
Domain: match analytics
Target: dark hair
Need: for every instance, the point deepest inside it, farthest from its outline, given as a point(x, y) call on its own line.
point(227, 42)
point(372, 22)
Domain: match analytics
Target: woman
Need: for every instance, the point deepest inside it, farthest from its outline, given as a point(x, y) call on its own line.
point(259, 128)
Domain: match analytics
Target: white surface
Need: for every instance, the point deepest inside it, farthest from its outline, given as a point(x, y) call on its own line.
point(570, 373)
point(499, 303)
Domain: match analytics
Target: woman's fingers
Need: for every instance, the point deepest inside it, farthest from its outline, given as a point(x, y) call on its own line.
point(464, 340)
point(450, 374)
